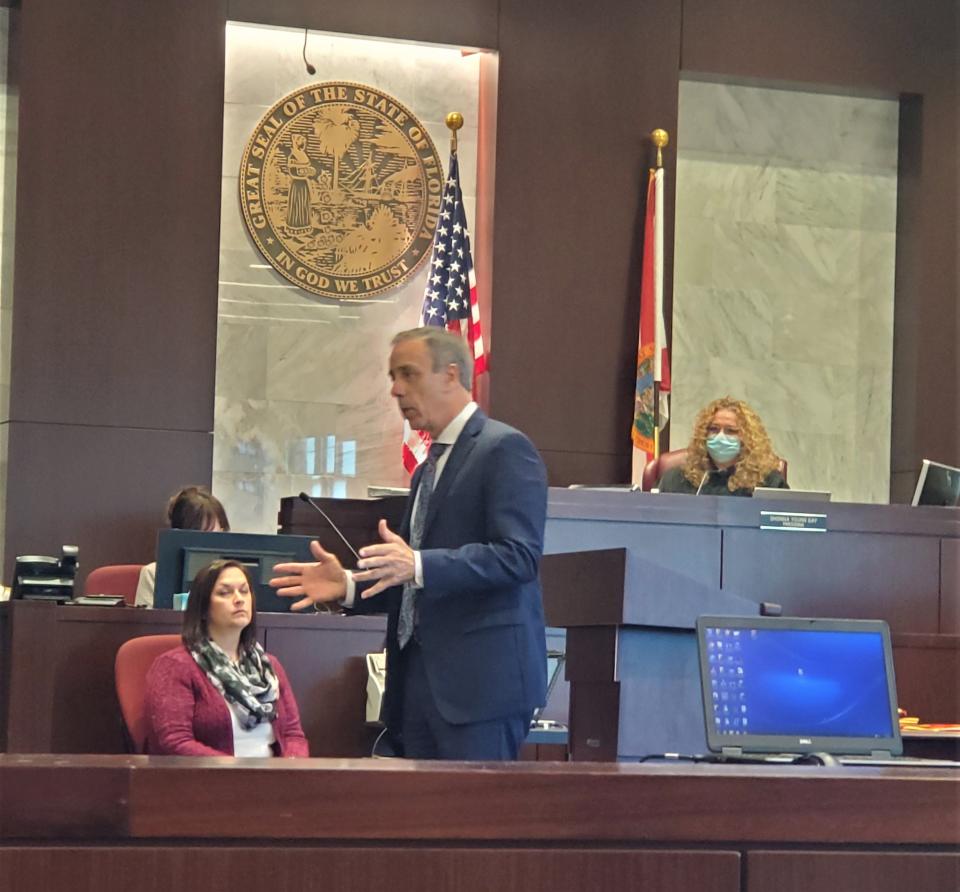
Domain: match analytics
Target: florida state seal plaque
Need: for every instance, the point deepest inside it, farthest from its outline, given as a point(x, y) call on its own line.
point(340, 187)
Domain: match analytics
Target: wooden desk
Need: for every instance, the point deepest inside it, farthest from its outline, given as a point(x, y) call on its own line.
point(932, 744)
point(685, 555)
point(890, 562)
point(56, 663)
point(102, 824)
point(928, 676)
point(57, 688)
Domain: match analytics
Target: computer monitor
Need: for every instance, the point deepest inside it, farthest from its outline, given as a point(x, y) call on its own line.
point(181, 553)
point(938, 485)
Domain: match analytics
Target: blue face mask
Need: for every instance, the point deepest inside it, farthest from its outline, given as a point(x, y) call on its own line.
point(723, 449)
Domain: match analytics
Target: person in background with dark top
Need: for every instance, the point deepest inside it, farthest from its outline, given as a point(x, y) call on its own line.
point(221, 694)
point(193, 508)
point(730, 454)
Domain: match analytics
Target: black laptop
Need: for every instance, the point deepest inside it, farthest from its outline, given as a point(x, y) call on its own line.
point(776, 688)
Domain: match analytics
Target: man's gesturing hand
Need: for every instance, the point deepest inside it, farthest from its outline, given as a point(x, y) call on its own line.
point(317, 582)
point(390, 563)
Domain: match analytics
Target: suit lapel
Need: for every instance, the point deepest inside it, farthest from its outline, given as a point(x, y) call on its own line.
point(459, 454)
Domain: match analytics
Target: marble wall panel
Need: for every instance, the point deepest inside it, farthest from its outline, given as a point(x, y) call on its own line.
point(251, 499)
point(241, 360)
point(715, 189)
point(707, 323)
point(876, 268)
point(823, 130)
point(783, 276)
point(301, 378)
point(813, 326)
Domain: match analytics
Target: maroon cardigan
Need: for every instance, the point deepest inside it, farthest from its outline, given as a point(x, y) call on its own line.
point(187, 715)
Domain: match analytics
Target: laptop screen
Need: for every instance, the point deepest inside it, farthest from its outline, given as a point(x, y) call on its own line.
point(555, 663)
point(773, 684)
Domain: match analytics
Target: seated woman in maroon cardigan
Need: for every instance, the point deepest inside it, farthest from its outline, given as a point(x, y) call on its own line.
point(221, 694)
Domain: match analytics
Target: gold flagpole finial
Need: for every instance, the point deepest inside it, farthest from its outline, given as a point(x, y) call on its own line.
point(454, 122)
point(661, 139)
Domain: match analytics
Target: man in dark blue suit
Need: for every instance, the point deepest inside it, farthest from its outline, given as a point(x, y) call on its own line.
point(466, 650)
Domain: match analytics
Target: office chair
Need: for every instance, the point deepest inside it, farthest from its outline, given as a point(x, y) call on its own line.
point(134, 659)
point(114, 579)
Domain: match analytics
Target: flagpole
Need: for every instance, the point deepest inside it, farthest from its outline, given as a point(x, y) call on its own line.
point(454, 122)
point(660, 138)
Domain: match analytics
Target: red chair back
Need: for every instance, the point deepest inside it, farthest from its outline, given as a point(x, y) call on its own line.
point(116, 579)
point(134, 659)
point(659, 466)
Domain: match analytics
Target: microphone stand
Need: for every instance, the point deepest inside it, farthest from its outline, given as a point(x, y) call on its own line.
point(305, 498)
point(704, 480)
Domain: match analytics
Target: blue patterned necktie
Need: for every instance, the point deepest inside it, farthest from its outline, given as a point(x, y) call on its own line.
point(425, 490)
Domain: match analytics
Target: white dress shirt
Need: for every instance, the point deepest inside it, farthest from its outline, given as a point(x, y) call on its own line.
point(449, 436)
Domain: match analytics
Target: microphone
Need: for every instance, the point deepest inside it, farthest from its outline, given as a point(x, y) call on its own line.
point(305, 498)
point(311, 71)
point(704, 480)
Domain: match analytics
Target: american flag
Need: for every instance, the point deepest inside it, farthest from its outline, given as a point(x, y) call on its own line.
point(450, 297)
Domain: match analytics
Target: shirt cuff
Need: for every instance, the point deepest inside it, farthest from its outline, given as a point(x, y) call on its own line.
point(351, 590)
point(417, 570)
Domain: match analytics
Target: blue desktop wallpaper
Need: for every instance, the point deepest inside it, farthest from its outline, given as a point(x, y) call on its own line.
point(798, 682)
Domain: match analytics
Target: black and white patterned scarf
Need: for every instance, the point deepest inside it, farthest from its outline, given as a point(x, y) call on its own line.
point(250, 687)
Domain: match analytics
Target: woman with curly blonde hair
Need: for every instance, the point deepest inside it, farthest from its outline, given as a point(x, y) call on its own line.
point(729, 454)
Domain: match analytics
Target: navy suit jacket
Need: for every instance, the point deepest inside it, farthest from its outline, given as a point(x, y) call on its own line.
point(480, 612)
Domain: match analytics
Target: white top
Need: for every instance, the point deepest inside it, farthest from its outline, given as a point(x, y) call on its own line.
point(145, 585)
point(449, 436)
point(252, 744)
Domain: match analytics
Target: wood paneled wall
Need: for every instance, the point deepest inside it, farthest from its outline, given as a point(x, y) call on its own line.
point(116, 256)
point(579, 93)
point(115, 271)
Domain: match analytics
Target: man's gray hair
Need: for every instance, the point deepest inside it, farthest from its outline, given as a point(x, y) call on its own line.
point(445, 348)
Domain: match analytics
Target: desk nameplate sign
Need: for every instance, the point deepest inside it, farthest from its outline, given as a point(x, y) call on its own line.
point(794, 522)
